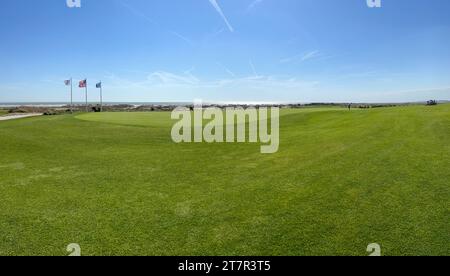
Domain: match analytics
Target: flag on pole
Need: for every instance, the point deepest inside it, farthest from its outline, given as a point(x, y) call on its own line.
point(82, 84)
point(99, 85)
point(69, 83)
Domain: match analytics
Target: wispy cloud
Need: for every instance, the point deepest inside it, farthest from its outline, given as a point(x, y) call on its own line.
point(212, 35)
point(231, 73)
point(356, 75)
point(137, 12)
point(310, 55)
point(185, 39)
point(164, 85)
point(254, 4)
point(189, 72)
point(253, 68)
point(302, 57)
point(219, 10)
point(186, 80)
point(218, 32)
point(290, 59)
point(167, 78)
point(153, 22)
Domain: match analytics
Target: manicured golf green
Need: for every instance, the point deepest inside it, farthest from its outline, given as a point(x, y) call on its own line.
point(116, 184)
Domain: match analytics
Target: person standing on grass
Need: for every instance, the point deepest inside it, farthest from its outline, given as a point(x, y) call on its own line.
point(349, 106)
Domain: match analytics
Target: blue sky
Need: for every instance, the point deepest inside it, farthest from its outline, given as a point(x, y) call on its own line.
point(226, 50)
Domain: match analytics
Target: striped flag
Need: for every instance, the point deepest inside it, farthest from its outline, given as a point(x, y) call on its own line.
point(82, 84)
point(67, 82)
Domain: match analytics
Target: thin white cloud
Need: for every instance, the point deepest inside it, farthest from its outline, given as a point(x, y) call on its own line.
point(231, 73)
point(302, 57)
point(188, 85)
point(179, 87)
point(161, 80)
point(211, 36)
point(254, 4)
point(189, 72)
point(310, 55)
point(219, 10)
point(253, 68)
point(216, 33)
point(167, 78)
point(150, 20)
point(363, 74)
point(185, 39)
point(290, 59)
point(137, 12)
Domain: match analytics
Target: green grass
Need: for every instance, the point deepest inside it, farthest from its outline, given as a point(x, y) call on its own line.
point(116, 184)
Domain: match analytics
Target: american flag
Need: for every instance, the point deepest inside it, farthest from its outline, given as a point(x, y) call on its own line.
point(82, 84)
point(67, 82)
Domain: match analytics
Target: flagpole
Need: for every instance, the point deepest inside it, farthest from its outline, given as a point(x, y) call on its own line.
point(86, 96)
point(101, 96)
point(71, 96)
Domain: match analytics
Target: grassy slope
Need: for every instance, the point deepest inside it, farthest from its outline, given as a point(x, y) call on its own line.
point(340, 181)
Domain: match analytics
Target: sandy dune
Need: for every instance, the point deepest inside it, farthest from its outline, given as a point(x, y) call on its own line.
point(18, 116)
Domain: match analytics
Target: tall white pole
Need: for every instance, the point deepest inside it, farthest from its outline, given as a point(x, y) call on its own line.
point(86, 86)
point(71, 95)
point(101, 96)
